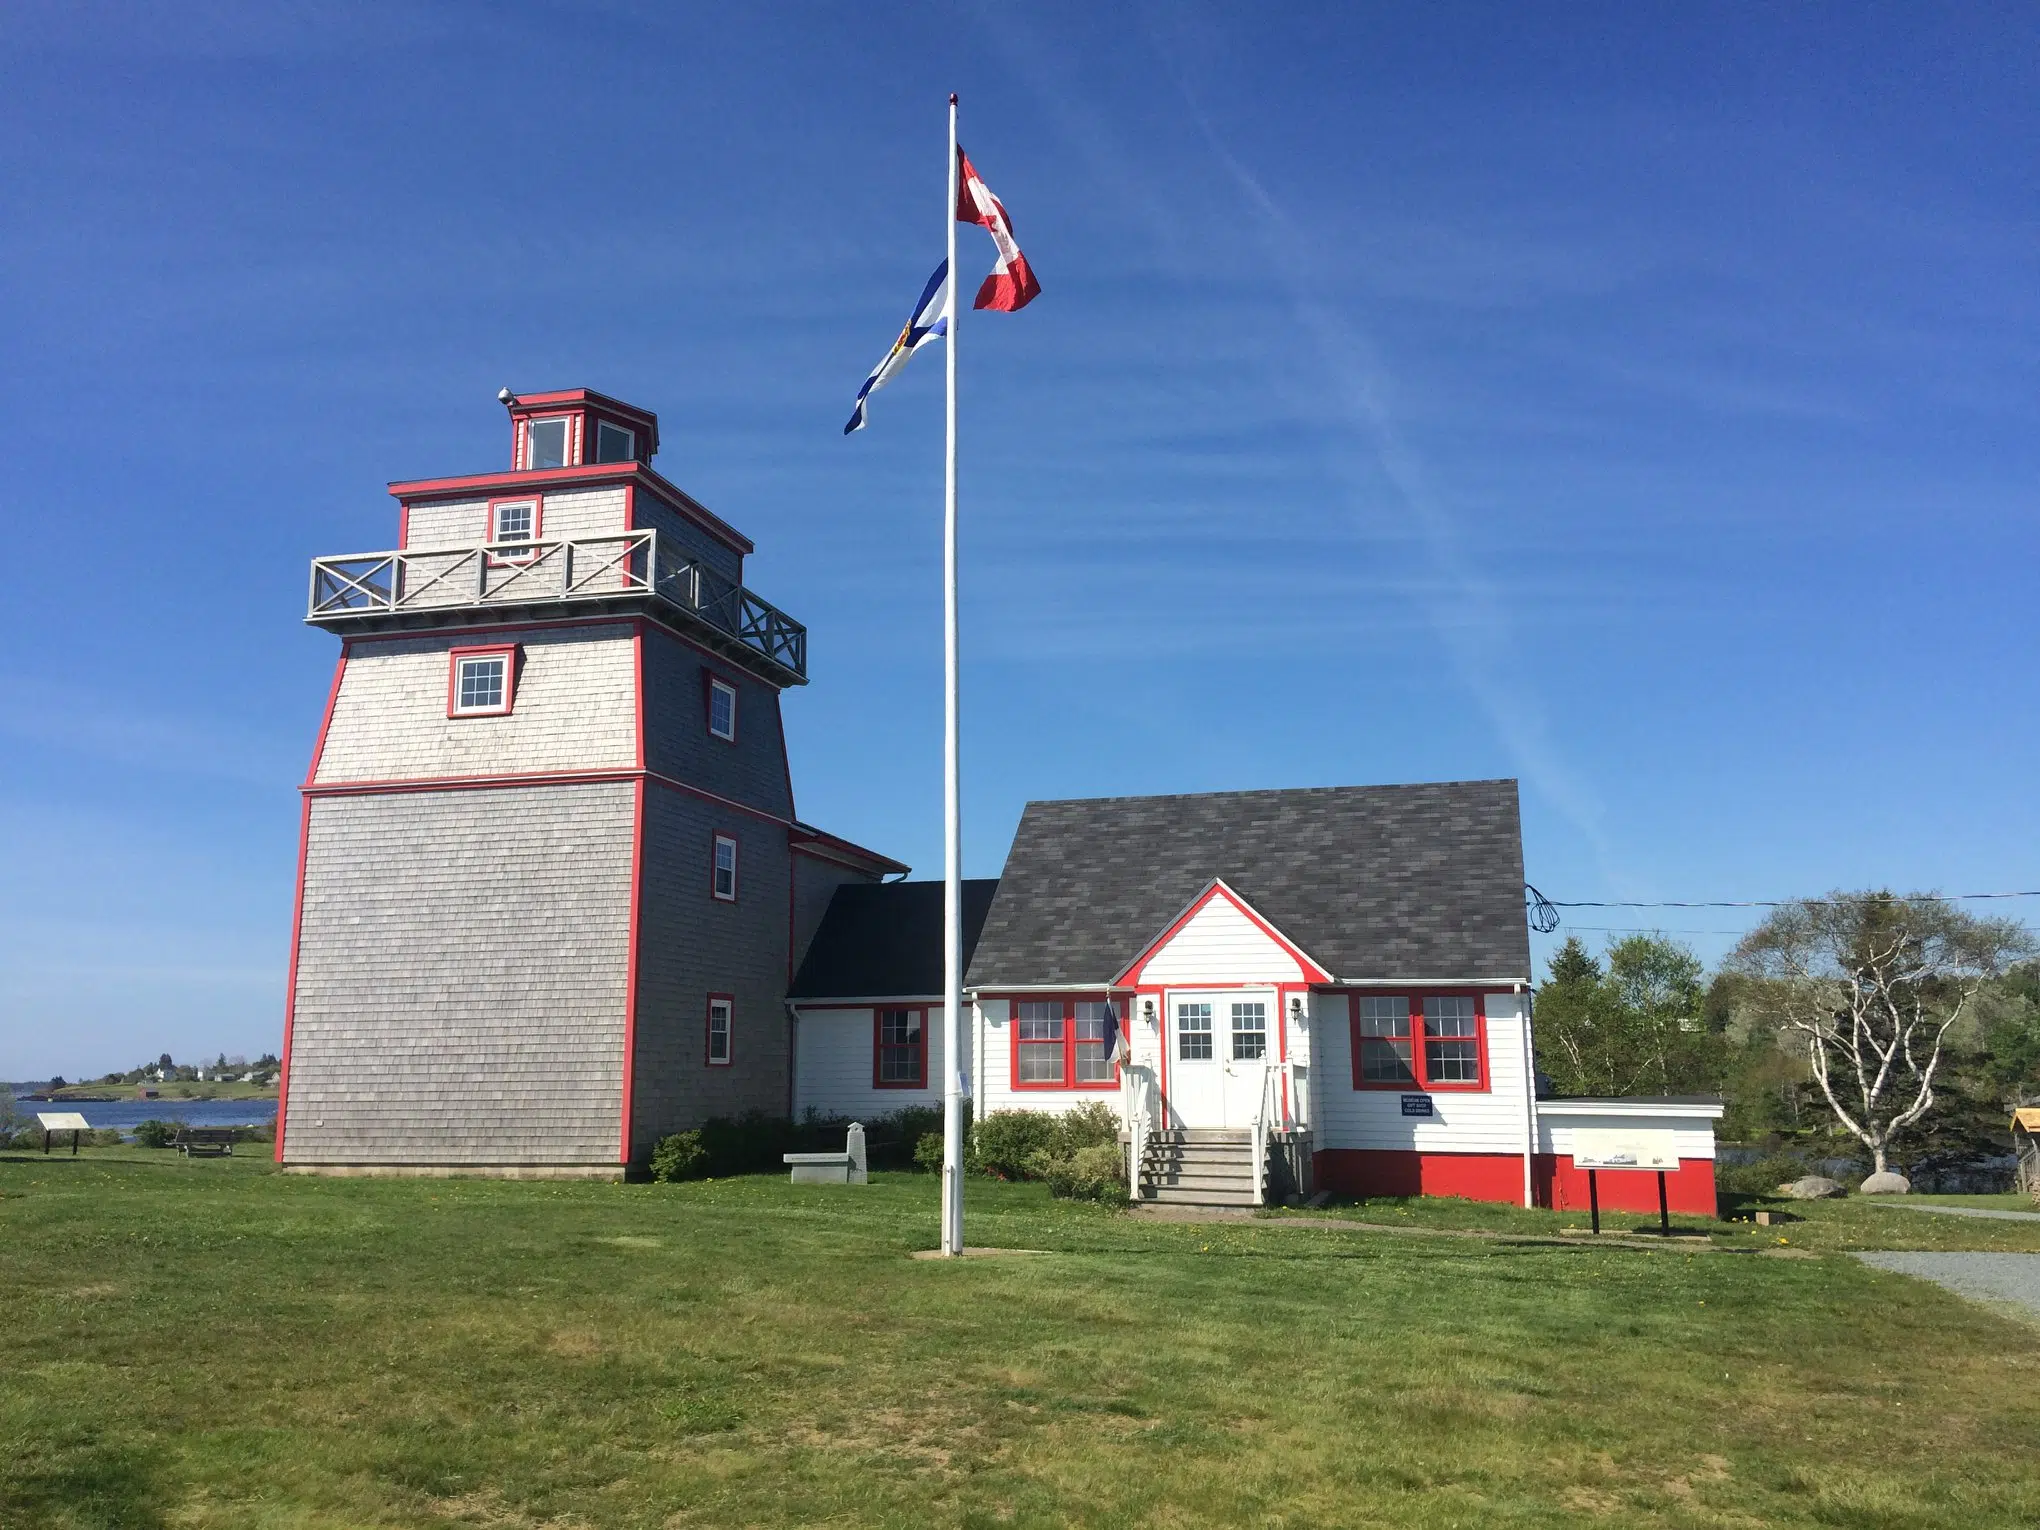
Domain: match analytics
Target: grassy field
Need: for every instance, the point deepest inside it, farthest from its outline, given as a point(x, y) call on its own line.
point(213, 1344)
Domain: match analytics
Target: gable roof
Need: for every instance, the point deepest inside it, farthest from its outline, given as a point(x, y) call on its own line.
point(883, 940)
point(1377, 883)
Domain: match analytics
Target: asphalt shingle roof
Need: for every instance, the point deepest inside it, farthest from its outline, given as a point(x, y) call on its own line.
point(883, 940)
point(1374, 882)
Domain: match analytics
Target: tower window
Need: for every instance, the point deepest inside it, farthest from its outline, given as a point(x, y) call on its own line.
point(722, 709)
point(722, 1013)
point(515, 523)
point(481, 682)
point(723, 883)
point(613, 443)
point(545, 443)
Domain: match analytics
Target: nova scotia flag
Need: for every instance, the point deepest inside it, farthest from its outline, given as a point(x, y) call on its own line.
point(930, 321)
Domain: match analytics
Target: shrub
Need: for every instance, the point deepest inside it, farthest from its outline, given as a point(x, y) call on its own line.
point(1093, 1124)
point(680, 1156)
point(1007, 1143)
point(1761, 1176)
point(1096, 1172)
point(156, 1134)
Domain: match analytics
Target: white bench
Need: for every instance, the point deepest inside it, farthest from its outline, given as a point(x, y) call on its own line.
point(844, 1168)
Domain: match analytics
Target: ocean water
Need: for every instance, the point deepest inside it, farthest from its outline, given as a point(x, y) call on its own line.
point(128, 1114)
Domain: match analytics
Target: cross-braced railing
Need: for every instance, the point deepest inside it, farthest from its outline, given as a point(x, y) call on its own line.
point(540, 573)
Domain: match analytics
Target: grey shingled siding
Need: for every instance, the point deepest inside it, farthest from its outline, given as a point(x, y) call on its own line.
point(681, 540)
point(460, 979)
point(575, 708)
point(689, 946)
point(677, 741)
point(1380, 882)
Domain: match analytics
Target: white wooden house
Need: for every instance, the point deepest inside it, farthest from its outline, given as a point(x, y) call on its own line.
point(1276, 990)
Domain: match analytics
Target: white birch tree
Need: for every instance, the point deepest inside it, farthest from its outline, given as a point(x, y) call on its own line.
point(1873, 981)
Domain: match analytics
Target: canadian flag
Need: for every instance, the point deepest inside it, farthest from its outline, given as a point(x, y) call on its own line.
point(1011, 286)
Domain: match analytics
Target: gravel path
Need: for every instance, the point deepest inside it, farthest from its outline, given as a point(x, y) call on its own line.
point(1957, 1211)
point(2012, 1279)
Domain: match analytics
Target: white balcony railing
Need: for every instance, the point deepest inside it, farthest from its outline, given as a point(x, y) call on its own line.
point(584, 569)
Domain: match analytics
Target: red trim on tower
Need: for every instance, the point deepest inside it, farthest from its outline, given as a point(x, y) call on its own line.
point(326, 722)
point(580, 475)
point(630, 961)
point(785, 761)
point(297, 931)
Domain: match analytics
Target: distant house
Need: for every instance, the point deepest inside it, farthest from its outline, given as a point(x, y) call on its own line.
point(1337, 977)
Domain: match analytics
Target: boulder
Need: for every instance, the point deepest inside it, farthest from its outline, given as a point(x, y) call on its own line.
point(1814, 1187)
point(1887, 1183)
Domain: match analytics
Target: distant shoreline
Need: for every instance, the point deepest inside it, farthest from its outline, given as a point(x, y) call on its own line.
point(108, 1094)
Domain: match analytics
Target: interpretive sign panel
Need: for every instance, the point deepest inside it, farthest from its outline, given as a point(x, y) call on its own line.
point(61, 1121)
point(1609, 1148)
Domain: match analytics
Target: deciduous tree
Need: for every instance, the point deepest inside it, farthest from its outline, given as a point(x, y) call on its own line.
point(1873, 982)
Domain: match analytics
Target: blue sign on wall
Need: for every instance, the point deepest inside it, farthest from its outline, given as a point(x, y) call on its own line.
point(1416, 1105)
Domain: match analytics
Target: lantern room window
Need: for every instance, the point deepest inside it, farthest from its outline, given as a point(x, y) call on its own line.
point(613, 443)
point(545, 443)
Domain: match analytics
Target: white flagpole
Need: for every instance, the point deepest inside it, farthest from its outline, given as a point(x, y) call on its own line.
point(952, 814)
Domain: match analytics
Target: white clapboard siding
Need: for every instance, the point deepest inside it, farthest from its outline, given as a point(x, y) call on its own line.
point(575, 709)
point(993, 1088)
point(1220, 944)
point(1693, 1135)
point(1492, 1121)
point(834, 1066)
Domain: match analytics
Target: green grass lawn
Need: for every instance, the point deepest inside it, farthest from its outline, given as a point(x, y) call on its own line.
point(1837, 1226)
point(213, 1344)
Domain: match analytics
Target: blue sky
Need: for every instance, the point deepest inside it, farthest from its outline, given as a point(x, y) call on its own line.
point(1639, 403)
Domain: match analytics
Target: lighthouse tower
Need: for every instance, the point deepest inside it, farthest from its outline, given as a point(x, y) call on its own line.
point(551, 887)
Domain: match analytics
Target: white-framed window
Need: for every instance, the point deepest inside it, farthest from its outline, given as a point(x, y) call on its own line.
point(513, 526)
point(722, 709)
point(1249, 1031)
point(481, 682)
point(723, 877)
point(722, 1013)
point(1193, 1032)
point(613, 443)
point(545, 443)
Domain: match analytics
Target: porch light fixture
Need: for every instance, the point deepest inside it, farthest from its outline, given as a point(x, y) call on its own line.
point(1296, 1011)
point(1147, 1012)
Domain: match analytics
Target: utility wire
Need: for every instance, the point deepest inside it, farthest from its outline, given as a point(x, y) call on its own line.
point(1544, 915)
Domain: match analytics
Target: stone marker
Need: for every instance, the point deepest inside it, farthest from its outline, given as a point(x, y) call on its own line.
point(1886, 1183)
point(1814, 1187)
point(844, 1168)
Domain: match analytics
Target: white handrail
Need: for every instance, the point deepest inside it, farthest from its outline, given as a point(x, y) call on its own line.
point(1139, 1095)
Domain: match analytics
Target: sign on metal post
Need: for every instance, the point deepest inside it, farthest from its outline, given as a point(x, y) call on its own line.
point(61, 1121)
point(1598, 1148)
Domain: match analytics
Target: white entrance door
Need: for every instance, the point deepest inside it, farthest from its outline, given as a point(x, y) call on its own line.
point(1219, 1046)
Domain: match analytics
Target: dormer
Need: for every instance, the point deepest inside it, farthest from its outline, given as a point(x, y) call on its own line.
point(575, 427)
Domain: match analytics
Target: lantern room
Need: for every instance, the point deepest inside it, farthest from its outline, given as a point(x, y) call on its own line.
point(576, 426)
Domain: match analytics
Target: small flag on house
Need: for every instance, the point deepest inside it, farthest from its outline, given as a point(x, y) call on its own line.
point(1112, 1047)
point(929, 321)
point(1011, 286)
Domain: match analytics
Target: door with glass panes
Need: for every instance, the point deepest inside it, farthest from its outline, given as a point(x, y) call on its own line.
point(1220, 1044)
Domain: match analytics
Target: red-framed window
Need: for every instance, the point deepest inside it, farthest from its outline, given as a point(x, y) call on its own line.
point(1065, 1044)
point(1433, 1041)
point(722, 869)
point(481, 682)
point(720, 698)
point(899, 1046)
point(551, 441)
point(514, 526)
point(722, 1021)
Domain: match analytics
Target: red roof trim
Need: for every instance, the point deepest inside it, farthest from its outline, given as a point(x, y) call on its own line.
point(585, 475)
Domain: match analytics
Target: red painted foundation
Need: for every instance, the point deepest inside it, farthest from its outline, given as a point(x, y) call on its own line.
point(1499, 1177)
